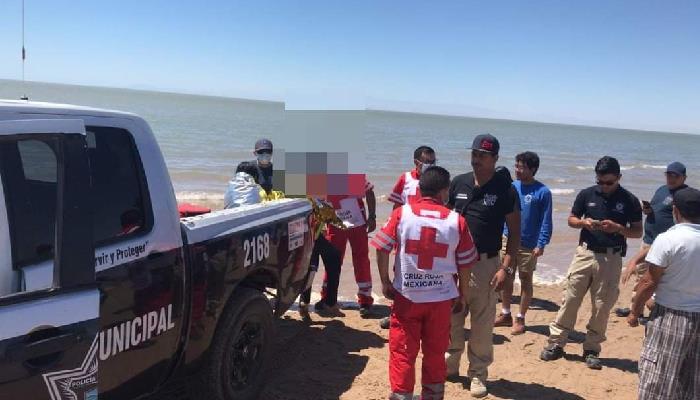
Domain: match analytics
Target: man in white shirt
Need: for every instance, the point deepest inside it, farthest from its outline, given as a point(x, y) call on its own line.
point(669, 365)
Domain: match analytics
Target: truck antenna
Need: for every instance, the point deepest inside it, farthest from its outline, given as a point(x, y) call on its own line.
point(24, 57)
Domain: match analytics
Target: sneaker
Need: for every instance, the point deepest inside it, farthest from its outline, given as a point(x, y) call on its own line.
point(385, 323)
point(365, 311)
point(304, 312)
point(551, 353)
point(622, 312)
point(478, 388)
point(504, 320)
point(518, 326)
point(592, 360)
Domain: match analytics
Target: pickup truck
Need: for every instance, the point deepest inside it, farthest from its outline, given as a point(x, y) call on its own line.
point(105, 291)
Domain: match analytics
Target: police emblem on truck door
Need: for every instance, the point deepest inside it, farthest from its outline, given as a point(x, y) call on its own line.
point(75, 384)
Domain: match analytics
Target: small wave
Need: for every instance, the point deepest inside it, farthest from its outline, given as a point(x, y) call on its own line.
point(560, 180)
point(546, 275)
point(649, 166)
point(562, 192)
point(199, 196)
point(623, 168)
point(582, 168)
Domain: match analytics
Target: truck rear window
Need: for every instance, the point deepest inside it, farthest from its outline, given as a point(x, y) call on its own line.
point(119, 194)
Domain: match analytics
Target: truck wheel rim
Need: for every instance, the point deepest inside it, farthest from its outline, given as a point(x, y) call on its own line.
point(246, 352)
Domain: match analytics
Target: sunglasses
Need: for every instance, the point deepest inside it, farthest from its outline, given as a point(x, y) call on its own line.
point(605, 183)
point(264, 151)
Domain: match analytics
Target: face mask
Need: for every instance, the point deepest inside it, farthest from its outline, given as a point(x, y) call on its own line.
point(424, 167)
point(264, 158)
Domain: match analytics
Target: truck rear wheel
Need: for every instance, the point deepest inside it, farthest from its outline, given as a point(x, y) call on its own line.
point(240, 351)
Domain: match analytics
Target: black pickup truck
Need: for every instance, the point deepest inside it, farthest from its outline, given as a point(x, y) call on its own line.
point(105, 291)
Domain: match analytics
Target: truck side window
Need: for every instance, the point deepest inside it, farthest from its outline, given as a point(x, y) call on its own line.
point(120, 197)
point(29, 175)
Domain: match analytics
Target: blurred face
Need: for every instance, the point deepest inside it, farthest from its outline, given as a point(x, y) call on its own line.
point(674, 181)
point(483, 161)
point(608, 183)
point(426, 160)
point(523, 172)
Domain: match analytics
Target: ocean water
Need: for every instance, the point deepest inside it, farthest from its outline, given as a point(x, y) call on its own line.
point(203, 138)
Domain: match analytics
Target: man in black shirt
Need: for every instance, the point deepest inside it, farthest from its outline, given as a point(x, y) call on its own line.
point(263, 155)
point(487, 200)
point(607, 215)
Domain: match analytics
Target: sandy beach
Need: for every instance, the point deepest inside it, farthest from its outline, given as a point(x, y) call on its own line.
point(347, 358)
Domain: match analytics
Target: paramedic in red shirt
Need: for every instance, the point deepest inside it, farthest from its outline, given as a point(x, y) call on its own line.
point(406, 189)
point(433, 244)
point(351, 210)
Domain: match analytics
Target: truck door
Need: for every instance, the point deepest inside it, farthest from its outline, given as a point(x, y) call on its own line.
point(48, 345)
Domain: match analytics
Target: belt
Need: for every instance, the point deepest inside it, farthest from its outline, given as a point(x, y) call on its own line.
point(605, 250)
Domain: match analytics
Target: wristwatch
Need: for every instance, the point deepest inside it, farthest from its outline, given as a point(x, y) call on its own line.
point(509, 270)
point(372, 216)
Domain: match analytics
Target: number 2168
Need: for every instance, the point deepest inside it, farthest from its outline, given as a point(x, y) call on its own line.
point(256, 249)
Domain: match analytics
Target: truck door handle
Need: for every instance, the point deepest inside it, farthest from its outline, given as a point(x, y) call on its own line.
point(42, 347)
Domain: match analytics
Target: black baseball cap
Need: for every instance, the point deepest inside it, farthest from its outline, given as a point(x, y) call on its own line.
point(263, 144)
point(687, 201)
point(676, 168)
point(486, 143)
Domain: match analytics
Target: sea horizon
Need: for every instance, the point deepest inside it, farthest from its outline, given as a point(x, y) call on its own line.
point(181, 92)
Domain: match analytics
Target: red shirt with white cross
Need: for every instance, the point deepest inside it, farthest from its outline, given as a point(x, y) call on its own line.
point(431, 242)
point(406, 190)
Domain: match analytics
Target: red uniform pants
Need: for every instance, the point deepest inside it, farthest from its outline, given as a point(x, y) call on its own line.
point(360, 259)
point(415, 326)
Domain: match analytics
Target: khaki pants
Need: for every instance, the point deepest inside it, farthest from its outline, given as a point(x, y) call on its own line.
point(599, 273)
point(482, 310)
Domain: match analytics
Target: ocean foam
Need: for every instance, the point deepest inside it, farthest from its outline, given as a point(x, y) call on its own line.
point(648, 166)
point(562, 192)
point(199, 196)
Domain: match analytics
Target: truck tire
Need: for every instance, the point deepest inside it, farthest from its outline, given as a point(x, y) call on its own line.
point(240, 351)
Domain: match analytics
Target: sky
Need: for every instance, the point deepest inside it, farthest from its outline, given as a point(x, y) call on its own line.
point(628, 64)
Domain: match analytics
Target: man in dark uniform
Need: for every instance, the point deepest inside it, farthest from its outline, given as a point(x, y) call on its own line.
point(487, 200)
point(607, 215)
point(263, 155)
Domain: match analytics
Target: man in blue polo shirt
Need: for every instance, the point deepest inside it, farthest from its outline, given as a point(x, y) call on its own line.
point(535, 234)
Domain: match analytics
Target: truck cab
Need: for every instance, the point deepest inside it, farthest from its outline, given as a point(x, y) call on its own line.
point(105, 291)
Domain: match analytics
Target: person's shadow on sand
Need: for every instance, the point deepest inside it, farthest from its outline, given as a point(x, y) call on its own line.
point(574, 336)
point(623, 364)
point(517, 390)
point(316, 361)
point(538, 304)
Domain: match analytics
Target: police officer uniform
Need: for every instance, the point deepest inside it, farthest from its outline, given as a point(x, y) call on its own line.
point(596, 266)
